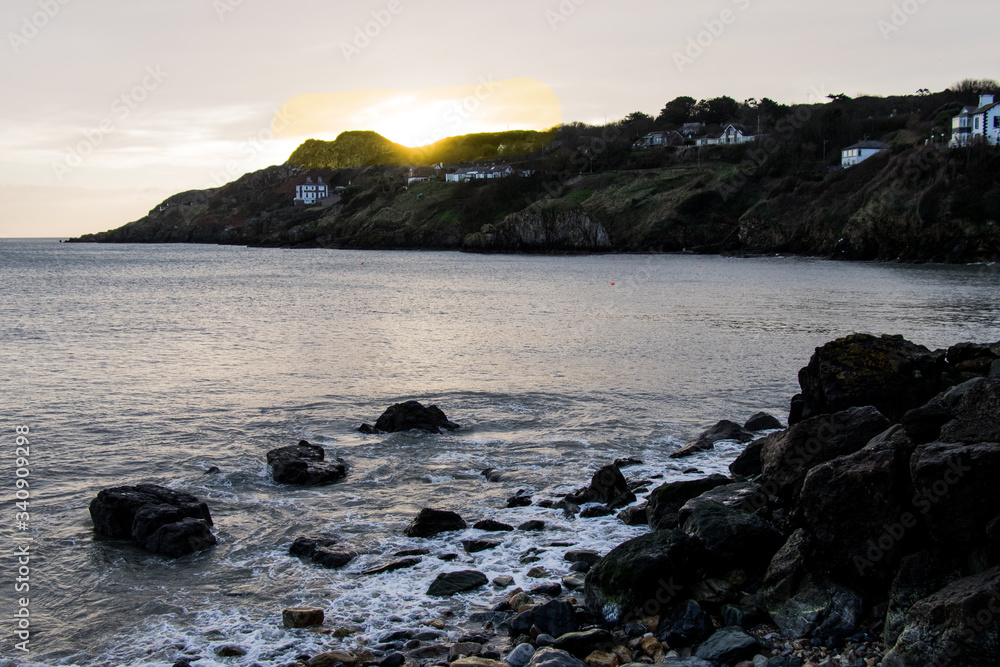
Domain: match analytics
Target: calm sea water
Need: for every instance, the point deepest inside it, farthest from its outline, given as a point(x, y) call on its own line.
point(152, 363)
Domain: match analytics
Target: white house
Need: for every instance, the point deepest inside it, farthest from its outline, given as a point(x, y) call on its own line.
point(861, 151)
point(736, 134)
point(480, 173)
point(976, 124)
point(310, 193)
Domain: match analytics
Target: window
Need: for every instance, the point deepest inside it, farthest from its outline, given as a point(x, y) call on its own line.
point(996, 122)
point(977, 122)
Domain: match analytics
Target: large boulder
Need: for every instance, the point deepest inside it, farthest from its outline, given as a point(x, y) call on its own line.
point(608, 487)
point(303, 464)
point(644, 576)
point(762, 422)
point(724, 430)
point(552, 657)
point(920, 575)
point(887, 372)
point(411, 415)
point(955, 626)
point(556, 618)
point(686, 624)
point(787, 456)
point(732, 538)
point(449, 583)
point(728, 646)
point(974, 406)
point(155, 518)
point(324, 551)
point(430, 522)
point(665, 501)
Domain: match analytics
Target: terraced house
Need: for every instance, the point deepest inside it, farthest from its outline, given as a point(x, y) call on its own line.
point(975, 124)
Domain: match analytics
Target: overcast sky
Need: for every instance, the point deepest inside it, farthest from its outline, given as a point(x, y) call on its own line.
point(107, 107)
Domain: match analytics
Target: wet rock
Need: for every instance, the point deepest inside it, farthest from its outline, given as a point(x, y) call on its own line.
point(595, 511)
point(503, 582)
point(475, 546)
point(552, 657)
point(608, 487)
point(634, 515)
point(575, 581)
point(624, 463)
point(492, 526)
point(920, 575)
point(464, 650)
point(686, 624)
point(975, 406)
point(733, 538)
point(230, 651)
point(519, 499)
point(724, 430)
point(787, 456)
point(411, 552)
point(450, 583)
point(476, 661)
point(656, 566)
point(430, 522)
point(399, 564)
point(331, 658)
point(521, 655)
point(156, 518)
point(551, 589)
point(492, 475)
point(533, 525)
point(948, 627)
point(887, 372)
point(762, 422)
point(581, 644)
point(666, 501)
point(748, 464)
point(412, 415)
point(588, 556)
point(537, 573)
point(301, 617)
point(556, 618)
point(728, 645)
point(580, 566)
point(304, 464)
point(601, 659)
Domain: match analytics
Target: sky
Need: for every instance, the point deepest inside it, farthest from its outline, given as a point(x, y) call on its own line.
point(107, 107)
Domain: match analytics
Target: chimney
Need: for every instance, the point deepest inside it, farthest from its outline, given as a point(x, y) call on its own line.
point(984, 100)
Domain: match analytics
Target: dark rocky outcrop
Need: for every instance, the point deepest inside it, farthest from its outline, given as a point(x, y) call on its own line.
point(430, 522)
point(155, 518)
point(732, 538)
point(449, 583)
point(920, 575)
point(687, 624)
point(666, 501)
point(634, 515)
point(724, 430)
point(409, 416)
point(304, 464)
point(399, 564)
point(324, 551)
point(608, 487)
point(762, 422)
point(544, 231)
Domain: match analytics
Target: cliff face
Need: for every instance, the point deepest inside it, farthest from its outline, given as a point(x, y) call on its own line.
point(913, 205)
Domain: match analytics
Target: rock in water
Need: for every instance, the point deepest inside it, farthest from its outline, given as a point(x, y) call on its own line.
point(303, 464)
point(686, 625)
point(156, 518)
point(608, 487)
point(412, 415)
point(430, 522)
point(301, 617)
point(556, 618)
point(552, 657)
point(762, 422)
point(724, 430)
point(449, 583)
point(666, 501)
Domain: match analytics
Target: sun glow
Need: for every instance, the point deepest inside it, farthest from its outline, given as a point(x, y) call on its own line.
point(419, 117)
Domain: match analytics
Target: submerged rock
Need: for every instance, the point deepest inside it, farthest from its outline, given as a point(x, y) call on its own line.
point(724, 430)
point(155, 518)
point(303, 464)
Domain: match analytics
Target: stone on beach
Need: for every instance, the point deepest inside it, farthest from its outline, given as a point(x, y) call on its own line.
point(430, 522)
point(301, 617)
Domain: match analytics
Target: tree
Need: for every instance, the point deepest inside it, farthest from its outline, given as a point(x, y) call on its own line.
point(976, 86)
point(676, 112)
point(637, 124)
point(716, 111)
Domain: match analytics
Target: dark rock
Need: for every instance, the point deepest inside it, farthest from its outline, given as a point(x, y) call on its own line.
point(430, 522)
point(582, 556)
point(555, 618)
point(321, 551)
point(551, 590)
point(305, 546)
point(787, 456)
point(975, 406)
point(748, 464)
point(519, 499)
point(367, 429)
point(396, 636)
point(520, 656)
point(333, 558)
point(214, 470)
point(608, 487)
point(475, 546)
point(724, 430)
point(303, 464)
point(728, 645)
point(955, 626)
point(230, 651)
point(412, 415)
point(580, 566)
point(919, 576)
point(733, 538)
point(392, 660)
point(156, 518)
point(634, 515)
point(492, 475)
point(394, 565)
point(581, 644)
point(646, 572)
point(762, 422)
point(624, 463)
point(888, 372)
point(533, 525)
point(594, 511)
point(492, 526)
point(411, 552)
point(666, 501)
point(553, 657)
point(449, 583)
point(735, 494)
point(924, 424)
point(687, 624)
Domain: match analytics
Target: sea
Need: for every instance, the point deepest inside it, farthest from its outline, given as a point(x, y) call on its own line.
point(123, 364)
